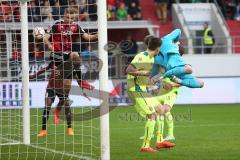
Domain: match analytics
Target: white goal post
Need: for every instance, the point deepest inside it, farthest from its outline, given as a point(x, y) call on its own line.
point(103, 78)
point(25, 72)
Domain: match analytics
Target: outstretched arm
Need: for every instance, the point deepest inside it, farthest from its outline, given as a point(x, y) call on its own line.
point(135, 72)
point(174, 35)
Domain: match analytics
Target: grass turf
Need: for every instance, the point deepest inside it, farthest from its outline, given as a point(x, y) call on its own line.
point(203, 132)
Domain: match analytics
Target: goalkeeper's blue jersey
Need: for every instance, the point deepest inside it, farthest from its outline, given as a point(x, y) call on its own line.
point(170, 52)
point(168, 43)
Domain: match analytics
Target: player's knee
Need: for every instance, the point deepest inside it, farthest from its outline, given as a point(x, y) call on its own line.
point(159, 109)
point(201, 83)
point(188, 69)
point(167, 108)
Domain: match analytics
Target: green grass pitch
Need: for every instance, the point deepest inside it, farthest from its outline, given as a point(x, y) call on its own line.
point(203, 132)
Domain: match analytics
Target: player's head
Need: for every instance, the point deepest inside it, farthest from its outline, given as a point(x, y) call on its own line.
point(147, 38)
point(181, 50)
point(70, 15)
point(153, 44)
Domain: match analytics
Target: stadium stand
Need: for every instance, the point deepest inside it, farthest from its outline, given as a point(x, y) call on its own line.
point(235, 34)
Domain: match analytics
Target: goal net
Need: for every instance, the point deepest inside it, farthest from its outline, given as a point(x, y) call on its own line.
point(72, 128)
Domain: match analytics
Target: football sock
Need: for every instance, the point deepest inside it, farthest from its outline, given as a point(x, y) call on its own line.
point(68, 115)
point(160, 126)
point(177, 71)
point(149, 129)
point(45, 117)
point(169, 123)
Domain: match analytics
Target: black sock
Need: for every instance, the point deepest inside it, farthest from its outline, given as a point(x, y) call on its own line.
point(68, 115)
point(45, 117)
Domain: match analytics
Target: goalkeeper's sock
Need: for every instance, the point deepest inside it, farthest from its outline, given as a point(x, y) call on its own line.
point(149, 129)
point(160, 127)
point(169, 123)
point(45, 117)
point(177, 71)
point(68, 115)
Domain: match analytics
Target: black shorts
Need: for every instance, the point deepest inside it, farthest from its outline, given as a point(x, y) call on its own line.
point(52, 93)
point(57, 58)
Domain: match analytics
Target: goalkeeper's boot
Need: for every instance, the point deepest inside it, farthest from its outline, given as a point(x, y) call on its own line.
point(56, 115)
point(43, 133)
point(165, 144)
point(148, 149)
point(70, 132)
point(169, 138)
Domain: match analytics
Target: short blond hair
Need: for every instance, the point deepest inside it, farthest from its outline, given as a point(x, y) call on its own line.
point(70, 11)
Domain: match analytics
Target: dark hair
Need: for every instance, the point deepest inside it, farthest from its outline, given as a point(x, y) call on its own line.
point(181, 50)
point(147, 39)
point(154, 43)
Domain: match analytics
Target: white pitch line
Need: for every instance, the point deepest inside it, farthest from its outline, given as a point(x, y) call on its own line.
point(209, 125)
point(190, 126)
point(15, 142)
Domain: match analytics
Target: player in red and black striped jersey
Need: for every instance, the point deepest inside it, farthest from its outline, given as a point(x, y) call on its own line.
point(57, 86)
point(61, 36)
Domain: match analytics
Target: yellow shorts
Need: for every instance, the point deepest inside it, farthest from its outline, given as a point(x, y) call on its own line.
point(143, 102)
point(168, 99)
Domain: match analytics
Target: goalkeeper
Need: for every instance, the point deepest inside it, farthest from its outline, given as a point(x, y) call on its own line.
point(137, 81)
point(176, 68)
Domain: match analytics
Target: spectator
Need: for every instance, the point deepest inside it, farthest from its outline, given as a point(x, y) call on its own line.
point(46, 12)
point(33, 12)
point(88, 52)
point(16, 55)
point(122, 13)
point(52, 2)
point(92, 10)
point(5, 12)
point(208, 39)
point(56, 11)
point(161, 10)
point(134, 11)
point(72, 3)
point(237, 14)
point(111, 15)
point(63, 4)
point(16, 11)
point(129, 2)
point(83, 16)
point(222, 5)
point(112, 3)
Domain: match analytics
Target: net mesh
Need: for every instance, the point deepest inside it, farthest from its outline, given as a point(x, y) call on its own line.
point(85, 143)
